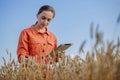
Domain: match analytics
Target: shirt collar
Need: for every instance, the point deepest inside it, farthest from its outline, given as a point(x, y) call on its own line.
point(47, 31)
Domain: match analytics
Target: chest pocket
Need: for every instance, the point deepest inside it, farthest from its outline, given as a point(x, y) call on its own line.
point(50, 46)
point(51, 43)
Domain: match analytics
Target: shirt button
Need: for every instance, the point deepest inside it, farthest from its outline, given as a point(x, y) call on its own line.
point(43, 44)
point(43, 50)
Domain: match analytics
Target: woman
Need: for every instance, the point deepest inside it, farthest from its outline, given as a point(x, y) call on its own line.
point(37, 40)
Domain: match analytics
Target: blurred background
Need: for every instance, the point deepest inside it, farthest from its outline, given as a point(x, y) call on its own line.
point(71, 23)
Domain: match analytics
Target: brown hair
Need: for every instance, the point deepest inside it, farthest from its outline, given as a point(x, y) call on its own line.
point(46, 8)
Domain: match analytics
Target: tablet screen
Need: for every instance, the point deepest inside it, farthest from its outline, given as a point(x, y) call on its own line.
point(61, 47)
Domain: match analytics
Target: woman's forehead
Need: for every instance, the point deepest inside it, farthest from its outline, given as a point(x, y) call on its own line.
point(47, 14)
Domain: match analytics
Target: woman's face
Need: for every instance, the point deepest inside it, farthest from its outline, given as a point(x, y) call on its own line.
point(44, 18)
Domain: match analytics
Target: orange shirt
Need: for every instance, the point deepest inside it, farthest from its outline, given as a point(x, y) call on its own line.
point(33, 43)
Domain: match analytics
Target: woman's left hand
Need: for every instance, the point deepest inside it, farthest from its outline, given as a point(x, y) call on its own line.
point(60, 54)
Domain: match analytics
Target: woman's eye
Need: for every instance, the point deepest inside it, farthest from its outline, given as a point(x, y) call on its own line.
point(49, 19)
point(43, 18)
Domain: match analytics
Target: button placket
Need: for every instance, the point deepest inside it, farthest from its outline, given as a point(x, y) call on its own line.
point(43, 48)
point(44, 44)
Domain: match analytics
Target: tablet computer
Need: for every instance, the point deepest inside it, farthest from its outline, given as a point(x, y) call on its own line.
point(61, 47)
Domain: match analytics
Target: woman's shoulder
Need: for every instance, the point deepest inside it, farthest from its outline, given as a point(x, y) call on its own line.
point(51, 33)
point(28, 29)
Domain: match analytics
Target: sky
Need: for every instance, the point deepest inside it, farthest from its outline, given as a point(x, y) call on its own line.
point(70, 25)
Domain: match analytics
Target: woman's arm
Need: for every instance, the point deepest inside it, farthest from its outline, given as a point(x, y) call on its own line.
point(22, 49)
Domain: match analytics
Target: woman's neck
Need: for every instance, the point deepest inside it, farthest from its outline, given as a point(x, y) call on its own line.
point(40, 29)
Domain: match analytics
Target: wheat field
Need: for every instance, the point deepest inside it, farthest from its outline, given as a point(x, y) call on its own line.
point(101, 63)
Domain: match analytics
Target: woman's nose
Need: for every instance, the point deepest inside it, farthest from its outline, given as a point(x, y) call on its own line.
point(45, 22)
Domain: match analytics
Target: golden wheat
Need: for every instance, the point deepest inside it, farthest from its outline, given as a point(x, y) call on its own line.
point(102, 63)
